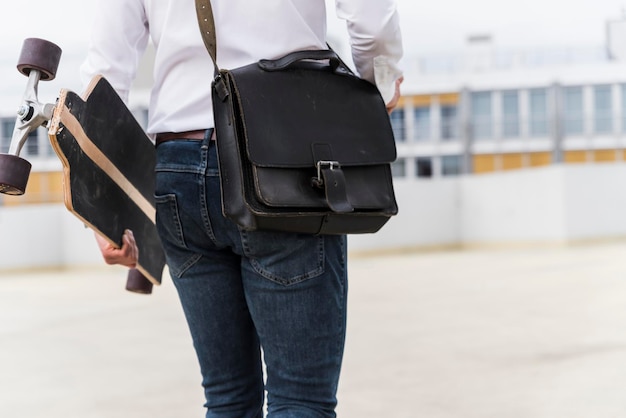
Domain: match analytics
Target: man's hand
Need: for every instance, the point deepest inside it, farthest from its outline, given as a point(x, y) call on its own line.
point(396, 97)
point(126, 256)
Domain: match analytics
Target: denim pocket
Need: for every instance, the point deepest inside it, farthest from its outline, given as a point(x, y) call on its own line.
point(168, 220)
point(284, 258)
point(170, 229)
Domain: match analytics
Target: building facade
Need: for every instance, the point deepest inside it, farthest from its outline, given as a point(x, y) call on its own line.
point(480, 110)
point(486, 110)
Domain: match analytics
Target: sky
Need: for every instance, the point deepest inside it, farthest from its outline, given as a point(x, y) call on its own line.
point(432, 25)
point(438, 26)
point(443, 25)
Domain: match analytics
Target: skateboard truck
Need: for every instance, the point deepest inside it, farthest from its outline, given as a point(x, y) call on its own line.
point(39, 60)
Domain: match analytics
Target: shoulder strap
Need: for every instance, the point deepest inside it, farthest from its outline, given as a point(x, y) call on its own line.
point(204, 11)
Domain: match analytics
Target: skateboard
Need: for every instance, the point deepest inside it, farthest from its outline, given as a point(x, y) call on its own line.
point(108, 161)
point(108, 169)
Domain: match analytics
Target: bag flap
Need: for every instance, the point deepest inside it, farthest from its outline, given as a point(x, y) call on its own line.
point(287, 115)
point(368, 188)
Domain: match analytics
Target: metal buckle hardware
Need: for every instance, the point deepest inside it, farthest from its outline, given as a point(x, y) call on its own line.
point(319, 181)
point(333, 165)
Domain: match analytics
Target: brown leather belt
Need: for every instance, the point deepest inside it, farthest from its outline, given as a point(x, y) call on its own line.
point(171, 136)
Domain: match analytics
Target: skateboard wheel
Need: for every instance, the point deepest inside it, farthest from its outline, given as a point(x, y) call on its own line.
point(14, 172)
point(138, 283)
point(39, 54)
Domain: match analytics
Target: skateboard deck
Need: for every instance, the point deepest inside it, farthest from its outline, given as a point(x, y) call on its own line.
point(108, 170)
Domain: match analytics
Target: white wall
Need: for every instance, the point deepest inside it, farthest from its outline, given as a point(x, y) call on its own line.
point(595, 201)
point(525, 205)
point(550, 204)
point(35, 236)
point(429, 216)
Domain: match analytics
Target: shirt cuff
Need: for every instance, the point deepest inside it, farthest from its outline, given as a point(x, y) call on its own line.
point(385, 76)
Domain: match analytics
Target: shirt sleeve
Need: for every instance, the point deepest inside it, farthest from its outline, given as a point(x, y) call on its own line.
point(118, 40)
point(375, 41)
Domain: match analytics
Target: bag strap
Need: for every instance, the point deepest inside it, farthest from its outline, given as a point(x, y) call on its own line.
point(206, 22)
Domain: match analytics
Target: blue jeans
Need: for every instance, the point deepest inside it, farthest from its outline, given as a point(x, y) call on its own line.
point(248, 295)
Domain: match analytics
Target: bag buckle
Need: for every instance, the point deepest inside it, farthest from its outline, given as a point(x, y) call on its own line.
point(330, 177)
point(331, 165)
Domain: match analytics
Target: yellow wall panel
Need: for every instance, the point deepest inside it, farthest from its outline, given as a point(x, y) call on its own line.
point(537, 159)
point(449, 99)
point(575, 156)
point(425, 100)
point(35, 184)
point(56, 181)
point(422, 100)
point(484, 163)
point(604, 155)
point(512, 161)
point(11, 200)
point(42, 187)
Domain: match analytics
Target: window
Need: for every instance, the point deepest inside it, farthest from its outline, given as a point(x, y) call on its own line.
point(31, 147)
point(510, 114)
point(538, 112)
point(424, 167)
point(397, 124)
point(624, 107)
point(573, 111)
point(451, 165)
point(422, 123)
point(7, 132)
point(481, 115)
point(398, 168)
point(32, 143)
point(449, 122)
point(602, 109)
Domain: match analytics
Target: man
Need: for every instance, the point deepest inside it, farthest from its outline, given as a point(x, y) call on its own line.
point(241, 291)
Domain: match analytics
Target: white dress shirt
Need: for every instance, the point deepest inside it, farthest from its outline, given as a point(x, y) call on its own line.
point(247, 30)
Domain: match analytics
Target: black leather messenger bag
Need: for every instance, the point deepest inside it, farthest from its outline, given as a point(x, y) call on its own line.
point(303, 144)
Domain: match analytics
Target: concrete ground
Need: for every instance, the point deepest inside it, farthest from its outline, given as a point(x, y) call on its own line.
point(528, 333)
